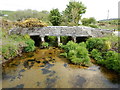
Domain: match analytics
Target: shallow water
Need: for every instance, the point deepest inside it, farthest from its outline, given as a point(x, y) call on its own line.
point(44, 68)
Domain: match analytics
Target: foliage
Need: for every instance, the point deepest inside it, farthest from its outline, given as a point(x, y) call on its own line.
point(114, 42)
point(112, 61)
point(85, 21)
point(55, 17)
point(96, 55)
point(76, 53)
point(30, 45)
point(96, 43)
point(109, 59)
point(83, 44)
point(45, 44)
point(11, 45)
point(9, 50)
point(63, 54)
point(93, 26)
point(63, 39)
point(74, 11)
point(60, 44)
point(92, 20)
point(30, 22)
point(70, 46)
point(104, 56)
point(89, 22)
point(52, 38)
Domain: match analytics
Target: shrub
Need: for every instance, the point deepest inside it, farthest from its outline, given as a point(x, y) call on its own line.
point(109, 59)
point(76, 54)
point(97, 55)
point(30, 45)
point(83, 44)
point(70, 46)
point(45, 45)
point(60, 45)
point(63, 54)
point(96, 43)
point(9, 50)
point(107, 45)
point(112, 61)
point(30, 22)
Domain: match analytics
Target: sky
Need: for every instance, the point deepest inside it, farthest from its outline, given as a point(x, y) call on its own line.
point(95, 8)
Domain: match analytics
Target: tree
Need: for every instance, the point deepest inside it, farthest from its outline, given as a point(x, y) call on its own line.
point(85, 21)
point(88, 21)
point(92, 20)
point(74, 11)
point(55, 17)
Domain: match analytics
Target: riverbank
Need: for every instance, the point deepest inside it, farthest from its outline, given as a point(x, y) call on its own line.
point(14, 45)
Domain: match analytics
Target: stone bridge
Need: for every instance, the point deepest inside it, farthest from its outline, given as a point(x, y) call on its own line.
point(73, 31)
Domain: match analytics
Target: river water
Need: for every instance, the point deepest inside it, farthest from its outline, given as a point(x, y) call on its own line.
point(44, 68)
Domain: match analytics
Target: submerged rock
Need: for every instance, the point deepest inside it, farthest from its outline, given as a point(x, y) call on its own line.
point(19, 86)
point(65, 65)
point(45, 62)
point(38, 61)
point(50, 82)
point(45, 71)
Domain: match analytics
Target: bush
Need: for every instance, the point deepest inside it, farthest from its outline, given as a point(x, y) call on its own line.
point(63, 54)
point(9, 51)
point(70, 46)
point(30, 45)
point(45, 45)
point(97, 55)
point(109, 59)
point(96, 43)
point(30, 22)
point(76, 54)
point(112, 61)
point(83, 44)
point(60, 45)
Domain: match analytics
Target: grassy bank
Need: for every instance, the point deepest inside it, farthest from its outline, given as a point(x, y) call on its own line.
point(13, 45)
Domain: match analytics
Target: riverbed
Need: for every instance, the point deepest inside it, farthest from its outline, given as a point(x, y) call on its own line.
point(45, 68)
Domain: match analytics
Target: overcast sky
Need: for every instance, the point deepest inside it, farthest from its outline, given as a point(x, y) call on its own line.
point(95, 8)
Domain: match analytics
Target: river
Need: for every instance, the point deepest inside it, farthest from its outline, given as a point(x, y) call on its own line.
point(44, 68)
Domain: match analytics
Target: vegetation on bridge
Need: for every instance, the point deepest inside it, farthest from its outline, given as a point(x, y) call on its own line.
point(30, 23)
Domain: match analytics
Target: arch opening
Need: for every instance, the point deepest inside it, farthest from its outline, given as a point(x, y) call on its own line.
point(52, 40)
point(37, 40)
point(81, 39)
point(65, 39)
